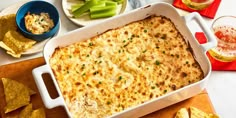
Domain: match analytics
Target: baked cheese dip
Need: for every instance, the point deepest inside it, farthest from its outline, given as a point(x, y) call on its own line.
point(124, 67)
point(38, 24)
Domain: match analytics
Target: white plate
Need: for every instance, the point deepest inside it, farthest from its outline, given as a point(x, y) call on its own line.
point(38, 47)
point(85, 20)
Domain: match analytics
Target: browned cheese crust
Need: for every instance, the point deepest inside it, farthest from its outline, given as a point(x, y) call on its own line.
point(124, 67)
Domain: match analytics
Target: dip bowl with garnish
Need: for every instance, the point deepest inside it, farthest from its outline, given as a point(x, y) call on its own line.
point(38, 20)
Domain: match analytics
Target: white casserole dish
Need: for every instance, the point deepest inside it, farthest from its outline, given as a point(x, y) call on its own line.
point(157, 9)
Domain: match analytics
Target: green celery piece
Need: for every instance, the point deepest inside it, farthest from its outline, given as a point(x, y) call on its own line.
point(84, 8)
point(110, 3)
point(118, 1)
point(105, 0)
point(106, 14)
point(99, 4)
point(102, 9)
point(76, 6)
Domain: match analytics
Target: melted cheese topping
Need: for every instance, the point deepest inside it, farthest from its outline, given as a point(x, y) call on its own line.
point(124, 67)
point(38, 24)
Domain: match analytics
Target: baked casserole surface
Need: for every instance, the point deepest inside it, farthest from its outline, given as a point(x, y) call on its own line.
point(124, 67)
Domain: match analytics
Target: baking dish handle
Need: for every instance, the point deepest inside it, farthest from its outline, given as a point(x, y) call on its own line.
point(212, 42)
point(48, 101)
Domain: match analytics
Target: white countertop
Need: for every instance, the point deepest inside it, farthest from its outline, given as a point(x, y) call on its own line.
point(221, 84)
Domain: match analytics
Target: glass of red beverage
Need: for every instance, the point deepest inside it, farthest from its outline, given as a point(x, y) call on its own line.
point(224, 29)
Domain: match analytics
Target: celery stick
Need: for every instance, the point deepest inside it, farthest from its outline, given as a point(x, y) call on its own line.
point(84, 8)
point(97, 15)
point(100, 4)
point(110, 3)
point(118, 1)
point(105, 0)
point(76, 6)
point(102, 9)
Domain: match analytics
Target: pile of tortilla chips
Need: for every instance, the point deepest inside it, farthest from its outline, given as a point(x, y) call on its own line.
point(28, 112)
point(194, 113)
point(18, 95)
point(10, 39)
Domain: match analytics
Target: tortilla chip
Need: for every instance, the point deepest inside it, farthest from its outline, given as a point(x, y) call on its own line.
point(31, 92)
point(213, 116)
point(17, 42)
point(197, 113)
point(182, 113)
point(16, 94)
point(9, 50)
point(38, 113)
point(7, 22)
point(26, 112)
point(11, 40)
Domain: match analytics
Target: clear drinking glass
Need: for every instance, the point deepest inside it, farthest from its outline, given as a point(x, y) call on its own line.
point(224, 29)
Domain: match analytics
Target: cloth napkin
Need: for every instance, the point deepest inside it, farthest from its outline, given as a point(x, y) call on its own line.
point(137, 3)
point(216, 65)
point(208, 12)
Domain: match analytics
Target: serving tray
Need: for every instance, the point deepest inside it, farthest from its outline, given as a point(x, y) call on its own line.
point(22, 72)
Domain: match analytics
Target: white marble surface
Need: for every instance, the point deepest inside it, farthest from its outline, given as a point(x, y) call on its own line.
point(221, 84)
